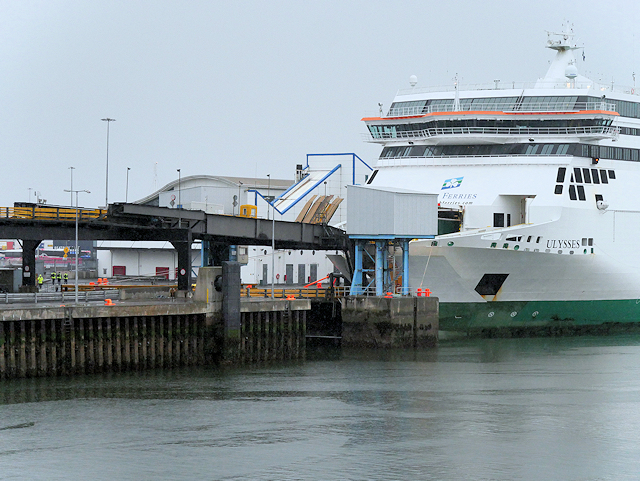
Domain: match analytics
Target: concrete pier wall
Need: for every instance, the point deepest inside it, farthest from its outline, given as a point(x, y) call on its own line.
point(398, 322)
point(51, 341)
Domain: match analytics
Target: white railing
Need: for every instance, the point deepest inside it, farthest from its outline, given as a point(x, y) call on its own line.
point(63, 296)
point(509, 107)
point(596, 88)
point(597, 131)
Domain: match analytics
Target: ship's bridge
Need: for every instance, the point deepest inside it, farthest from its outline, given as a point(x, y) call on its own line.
point(495, 120)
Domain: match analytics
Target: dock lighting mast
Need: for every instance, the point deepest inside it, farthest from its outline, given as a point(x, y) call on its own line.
point(106, 194)
point(77, 249)
point(71, 169)
point(268, 193)
point(126, 195)
point(179, 200)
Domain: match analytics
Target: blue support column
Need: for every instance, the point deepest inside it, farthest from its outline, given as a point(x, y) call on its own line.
point(380, 260)
point(204, 254)
point(356, 283)
point(405, 267)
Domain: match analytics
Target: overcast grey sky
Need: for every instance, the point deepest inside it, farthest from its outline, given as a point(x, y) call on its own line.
point(247, 88)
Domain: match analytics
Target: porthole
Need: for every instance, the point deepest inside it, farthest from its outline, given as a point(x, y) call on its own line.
point(505, 246)
point(514, 314)
point(450, 243)
point(490, 314)
point(559, 252)
point(515, 248)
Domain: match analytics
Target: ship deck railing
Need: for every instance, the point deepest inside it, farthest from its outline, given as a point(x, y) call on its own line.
point(510, 107)
point(588, 131)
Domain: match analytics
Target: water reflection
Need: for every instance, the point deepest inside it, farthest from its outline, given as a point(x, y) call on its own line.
point(481, 409)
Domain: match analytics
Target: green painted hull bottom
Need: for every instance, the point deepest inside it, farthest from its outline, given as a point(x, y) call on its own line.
point(540, 317)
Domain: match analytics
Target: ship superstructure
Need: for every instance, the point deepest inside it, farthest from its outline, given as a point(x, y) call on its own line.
point(539, 217)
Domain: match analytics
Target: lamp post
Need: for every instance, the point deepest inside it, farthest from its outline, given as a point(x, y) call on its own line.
point(179, 201)
point(268, 193)
point(239, 186)
point(76, 276)
point(71, 169)
point(126, 195)
point(106, 193)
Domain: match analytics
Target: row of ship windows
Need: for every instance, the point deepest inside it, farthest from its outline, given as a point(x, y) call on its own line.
point(586, 241)
point(623, 107)
point(597, 175)
point(576, 192)
point(579, 150)
point(377, 130)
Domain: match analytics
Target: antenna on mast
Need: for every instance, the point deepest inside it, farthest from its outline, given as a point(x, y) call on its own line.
point(456, 100)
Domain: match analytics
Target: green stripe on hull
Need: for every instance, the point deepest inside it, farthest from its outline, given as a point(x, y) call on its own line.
point(466, 317)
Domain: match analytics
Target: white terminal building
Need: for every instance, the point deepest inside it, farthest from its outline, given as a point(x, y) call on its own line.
point(316, 195)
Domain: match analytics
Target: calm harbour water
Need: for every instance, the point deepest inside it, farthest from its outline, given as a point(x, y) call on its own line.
point(525, 409)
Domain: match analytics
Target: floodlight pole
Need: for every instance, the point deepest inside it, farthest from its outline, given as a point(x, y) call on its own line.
point(76, 276)
point(106, 190)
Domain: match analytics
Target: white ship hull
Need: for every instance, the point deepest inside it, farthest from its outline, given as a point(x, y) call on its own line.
point(543, 182)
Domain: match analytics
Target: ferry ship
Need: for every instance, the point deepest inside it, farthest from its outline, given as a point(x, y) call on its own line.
point(539, 219)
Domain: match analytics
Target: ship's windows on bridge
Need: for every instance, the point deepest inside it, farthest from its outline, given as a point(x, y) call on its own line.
point(531, 150)
point(578, 174)
point(572, 192)
point(498, 219)
point(595, 176)
point(612, 174)
point(584, 241)
point(587, 176)
point(561, 173)
point(590, 241)
point(581, 195)
point(603, 177)
point(558, 189)
point(562, 149)
point(546, 149)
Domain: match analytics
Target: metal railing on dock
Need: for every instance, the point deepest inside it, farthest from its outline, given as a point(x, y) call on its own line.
point(48, 297)
point(50, 213)
point(296, 293)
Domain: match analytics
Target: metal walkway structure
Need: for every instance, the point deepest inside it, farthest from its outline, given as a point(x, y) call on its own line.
point(34, 223)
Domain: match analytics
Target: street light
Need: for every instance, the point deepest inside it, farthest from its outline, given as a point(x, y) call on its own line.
point(239, 186)
point(106, 193)
point(126, 195)
point(71, 169)
point(76, 192)
point(268, 193)
point(179, 201)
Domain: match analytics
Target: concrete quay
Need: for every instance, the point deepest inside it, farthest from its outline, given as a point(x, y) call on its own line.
point(397, 322)
point(144, 334)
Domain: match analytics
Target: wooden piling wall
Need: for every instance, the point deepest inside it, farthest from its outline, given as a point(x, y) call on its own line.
point(272, 336)
point(63, 340)
point(50, 347)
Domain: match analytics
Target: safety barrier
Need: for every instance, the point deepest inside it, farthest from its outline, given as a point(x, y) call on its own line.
point(51, 213)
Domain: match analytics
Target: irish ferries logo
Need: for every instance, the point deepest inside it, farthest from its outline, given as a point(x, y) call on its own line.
point(452, 183)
